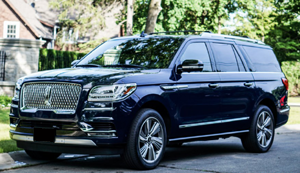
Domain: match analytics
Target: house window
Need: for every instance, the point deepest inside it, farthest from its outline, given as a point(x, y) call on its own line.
point(11, 29)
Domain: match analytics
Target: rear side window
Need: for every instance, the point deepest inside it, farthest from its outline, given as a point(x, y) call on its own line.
point(264, 60)
point(225, 57)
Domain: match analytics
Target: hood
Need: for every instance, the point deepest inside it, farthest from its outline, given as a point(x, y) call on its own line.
point(87, 75)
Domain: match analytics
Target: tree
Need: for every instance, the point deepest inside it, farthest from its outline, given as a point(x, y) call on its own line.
point(185, 15)
point(285, 36)
point(84, 16)
point(154, 9)
point(129, 16)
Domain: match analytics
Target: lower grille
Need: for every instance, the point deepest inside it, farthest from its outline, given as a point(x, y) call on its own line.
point(50, 96)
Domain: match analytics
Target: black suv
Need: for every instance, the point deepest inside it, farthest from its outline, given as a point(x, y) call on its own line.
point(136, 95)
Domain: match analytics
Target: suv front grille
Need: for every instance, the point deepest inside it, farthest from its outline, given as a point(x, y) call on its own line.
point(51, 96)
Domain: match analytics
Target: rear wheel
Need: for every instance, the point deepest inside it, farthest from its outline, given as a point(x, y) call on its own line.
point(42, 155)
point(261, 135)
point(146, 141)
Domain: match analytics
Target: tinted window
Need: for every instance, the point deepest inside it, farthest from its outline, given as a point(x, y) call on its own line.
point(239, 61)
point(197, 51)
point(225, 57)
point(141, 52)
point(264, 60)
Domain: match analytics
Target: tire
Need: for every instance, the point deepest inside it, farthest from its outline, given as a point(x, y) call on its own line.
point(42, 155)
point(261, 134)
point(146, 146)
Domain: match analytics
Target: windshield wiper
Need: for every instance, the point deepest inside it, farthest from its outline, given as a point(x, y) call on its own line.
point(125, 65)
point(89, 65)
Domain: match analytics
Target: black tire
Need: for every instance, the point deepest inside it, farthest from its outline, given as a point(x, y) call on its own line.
point(261, 134)
point(42, 155)
point(141, 143)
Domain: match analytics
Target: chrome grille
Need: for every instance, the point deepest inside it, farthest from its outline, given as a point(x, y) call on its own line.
point(51, 96)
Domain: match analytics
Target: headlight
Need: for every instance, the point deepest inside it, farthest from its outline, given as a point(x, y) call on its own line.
point(18, 88)
point(111, 92)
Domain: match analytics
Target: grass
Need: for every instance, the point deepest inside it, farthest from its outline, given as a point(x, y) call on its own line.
point(294, 99)
point(6, 144)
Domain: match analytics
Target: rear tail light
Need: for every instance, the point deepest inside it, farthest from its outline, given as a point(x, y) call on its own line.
point(282, 101)
point(285, 83)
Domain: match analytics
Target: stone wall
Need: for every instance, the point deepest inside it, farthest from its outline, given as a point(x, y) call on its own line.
point(22, 58)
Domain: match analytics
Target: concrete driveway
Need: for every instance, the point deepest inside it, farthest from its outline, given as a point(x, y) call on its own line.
point(224, 155)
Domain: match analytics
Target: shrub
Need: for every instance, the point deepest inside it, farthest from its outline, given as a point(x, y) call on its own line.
point(5, 100)
point(53, 59)
point(291, 70)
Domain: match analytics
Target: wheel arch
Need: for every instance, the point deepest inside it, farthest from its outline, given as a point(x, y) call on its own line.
point(270, 104)
point(157, 103)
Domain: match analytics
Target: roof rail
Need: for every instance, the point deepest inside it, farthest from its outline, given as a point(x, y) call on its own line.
point(233, 38)
point(169, 32)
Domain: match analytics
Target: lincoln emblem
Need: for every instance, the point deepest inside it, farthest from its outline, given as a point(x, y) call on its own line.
point(47, 95)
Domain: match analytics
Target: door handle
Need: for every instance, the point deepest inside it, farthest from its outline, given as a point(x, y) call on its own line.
point(248, 84)
point(213, 85)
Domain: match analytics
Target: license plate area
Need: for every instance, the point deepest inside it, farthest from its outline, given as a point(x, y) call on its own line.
point(44, 135)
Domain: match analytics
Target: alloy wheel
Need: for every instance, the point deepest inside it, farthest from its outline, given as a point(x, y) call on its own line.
point(151, 140)
point(264, 130)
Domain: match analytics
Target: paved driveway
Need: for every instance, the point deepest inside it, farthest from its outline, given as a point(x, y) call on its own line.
point(209, 156)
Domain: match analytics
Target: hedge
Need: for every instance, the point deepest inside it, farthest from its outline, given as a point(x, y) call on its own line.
point(53, 59)
point(291, 70)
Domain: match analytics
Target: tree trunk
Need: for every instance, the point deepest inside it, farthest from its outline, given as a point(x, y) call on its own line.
point(129, 16)
point(154, 10)
point(219, 25)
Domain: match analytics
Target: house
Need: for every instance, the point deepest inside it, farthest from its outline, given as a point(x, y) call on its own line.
point(34, 19)
point(18, 19)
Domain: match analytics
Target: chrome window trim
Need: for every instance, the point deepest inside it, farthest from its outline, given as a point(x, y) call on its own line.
point(213, 122)
point(210, 135)
point(56, 111)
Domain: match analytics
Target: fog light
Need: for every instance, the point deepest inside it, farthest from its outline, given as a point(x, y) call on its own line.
point(102, 134)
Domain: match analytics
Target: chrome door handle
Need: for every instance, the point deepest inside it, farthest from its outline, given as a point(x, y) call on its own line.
point(213, 85)
point(248, 84)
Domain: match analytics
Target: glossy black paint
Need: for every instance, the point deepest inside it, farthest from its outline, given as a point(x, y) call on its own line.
point(199, 102)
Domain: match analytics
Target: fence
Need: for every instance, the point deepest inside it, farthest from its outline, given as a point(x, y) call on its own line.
point(2, 65)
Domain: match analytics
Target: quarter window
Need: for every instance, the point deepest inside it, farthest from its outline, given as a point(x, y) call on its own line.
point(264, 60)
point(199, 52)
point(11, 29)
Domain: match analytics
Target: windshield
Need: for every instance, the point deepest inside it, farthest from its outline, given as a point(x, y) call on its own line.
point(134, 53)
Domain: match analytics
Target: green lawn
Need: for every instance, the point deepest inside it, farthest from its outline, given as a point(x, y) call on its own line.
point(294, 99)
point(6, 144)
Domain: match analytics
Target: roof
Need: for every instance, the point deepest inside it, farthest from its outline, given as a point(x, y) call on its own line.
point(28, 15)
point(46, 14)
point(205, 34)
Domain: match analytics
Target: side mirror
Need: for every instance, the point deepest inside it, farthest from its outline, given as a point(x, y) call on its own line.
point(74, 62)
point(190, 65)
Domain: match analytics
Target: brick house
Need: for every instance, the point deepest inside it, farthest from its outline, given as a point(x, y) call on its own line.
point(18, 19)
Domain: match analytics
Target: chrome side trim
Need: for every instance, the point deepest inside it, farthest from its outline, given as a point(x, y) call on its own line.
point(99, 109)
point(174, 87)
point(213, 122)
point(104, 118)
point(103, 131)
point(14, 106)
point(284, 110)
point(211, 135)
point(85, 142)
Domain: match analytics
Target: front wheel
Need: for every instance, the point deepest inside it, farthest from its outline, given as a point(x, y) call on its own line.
point(146, 141)
point(261, 135)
